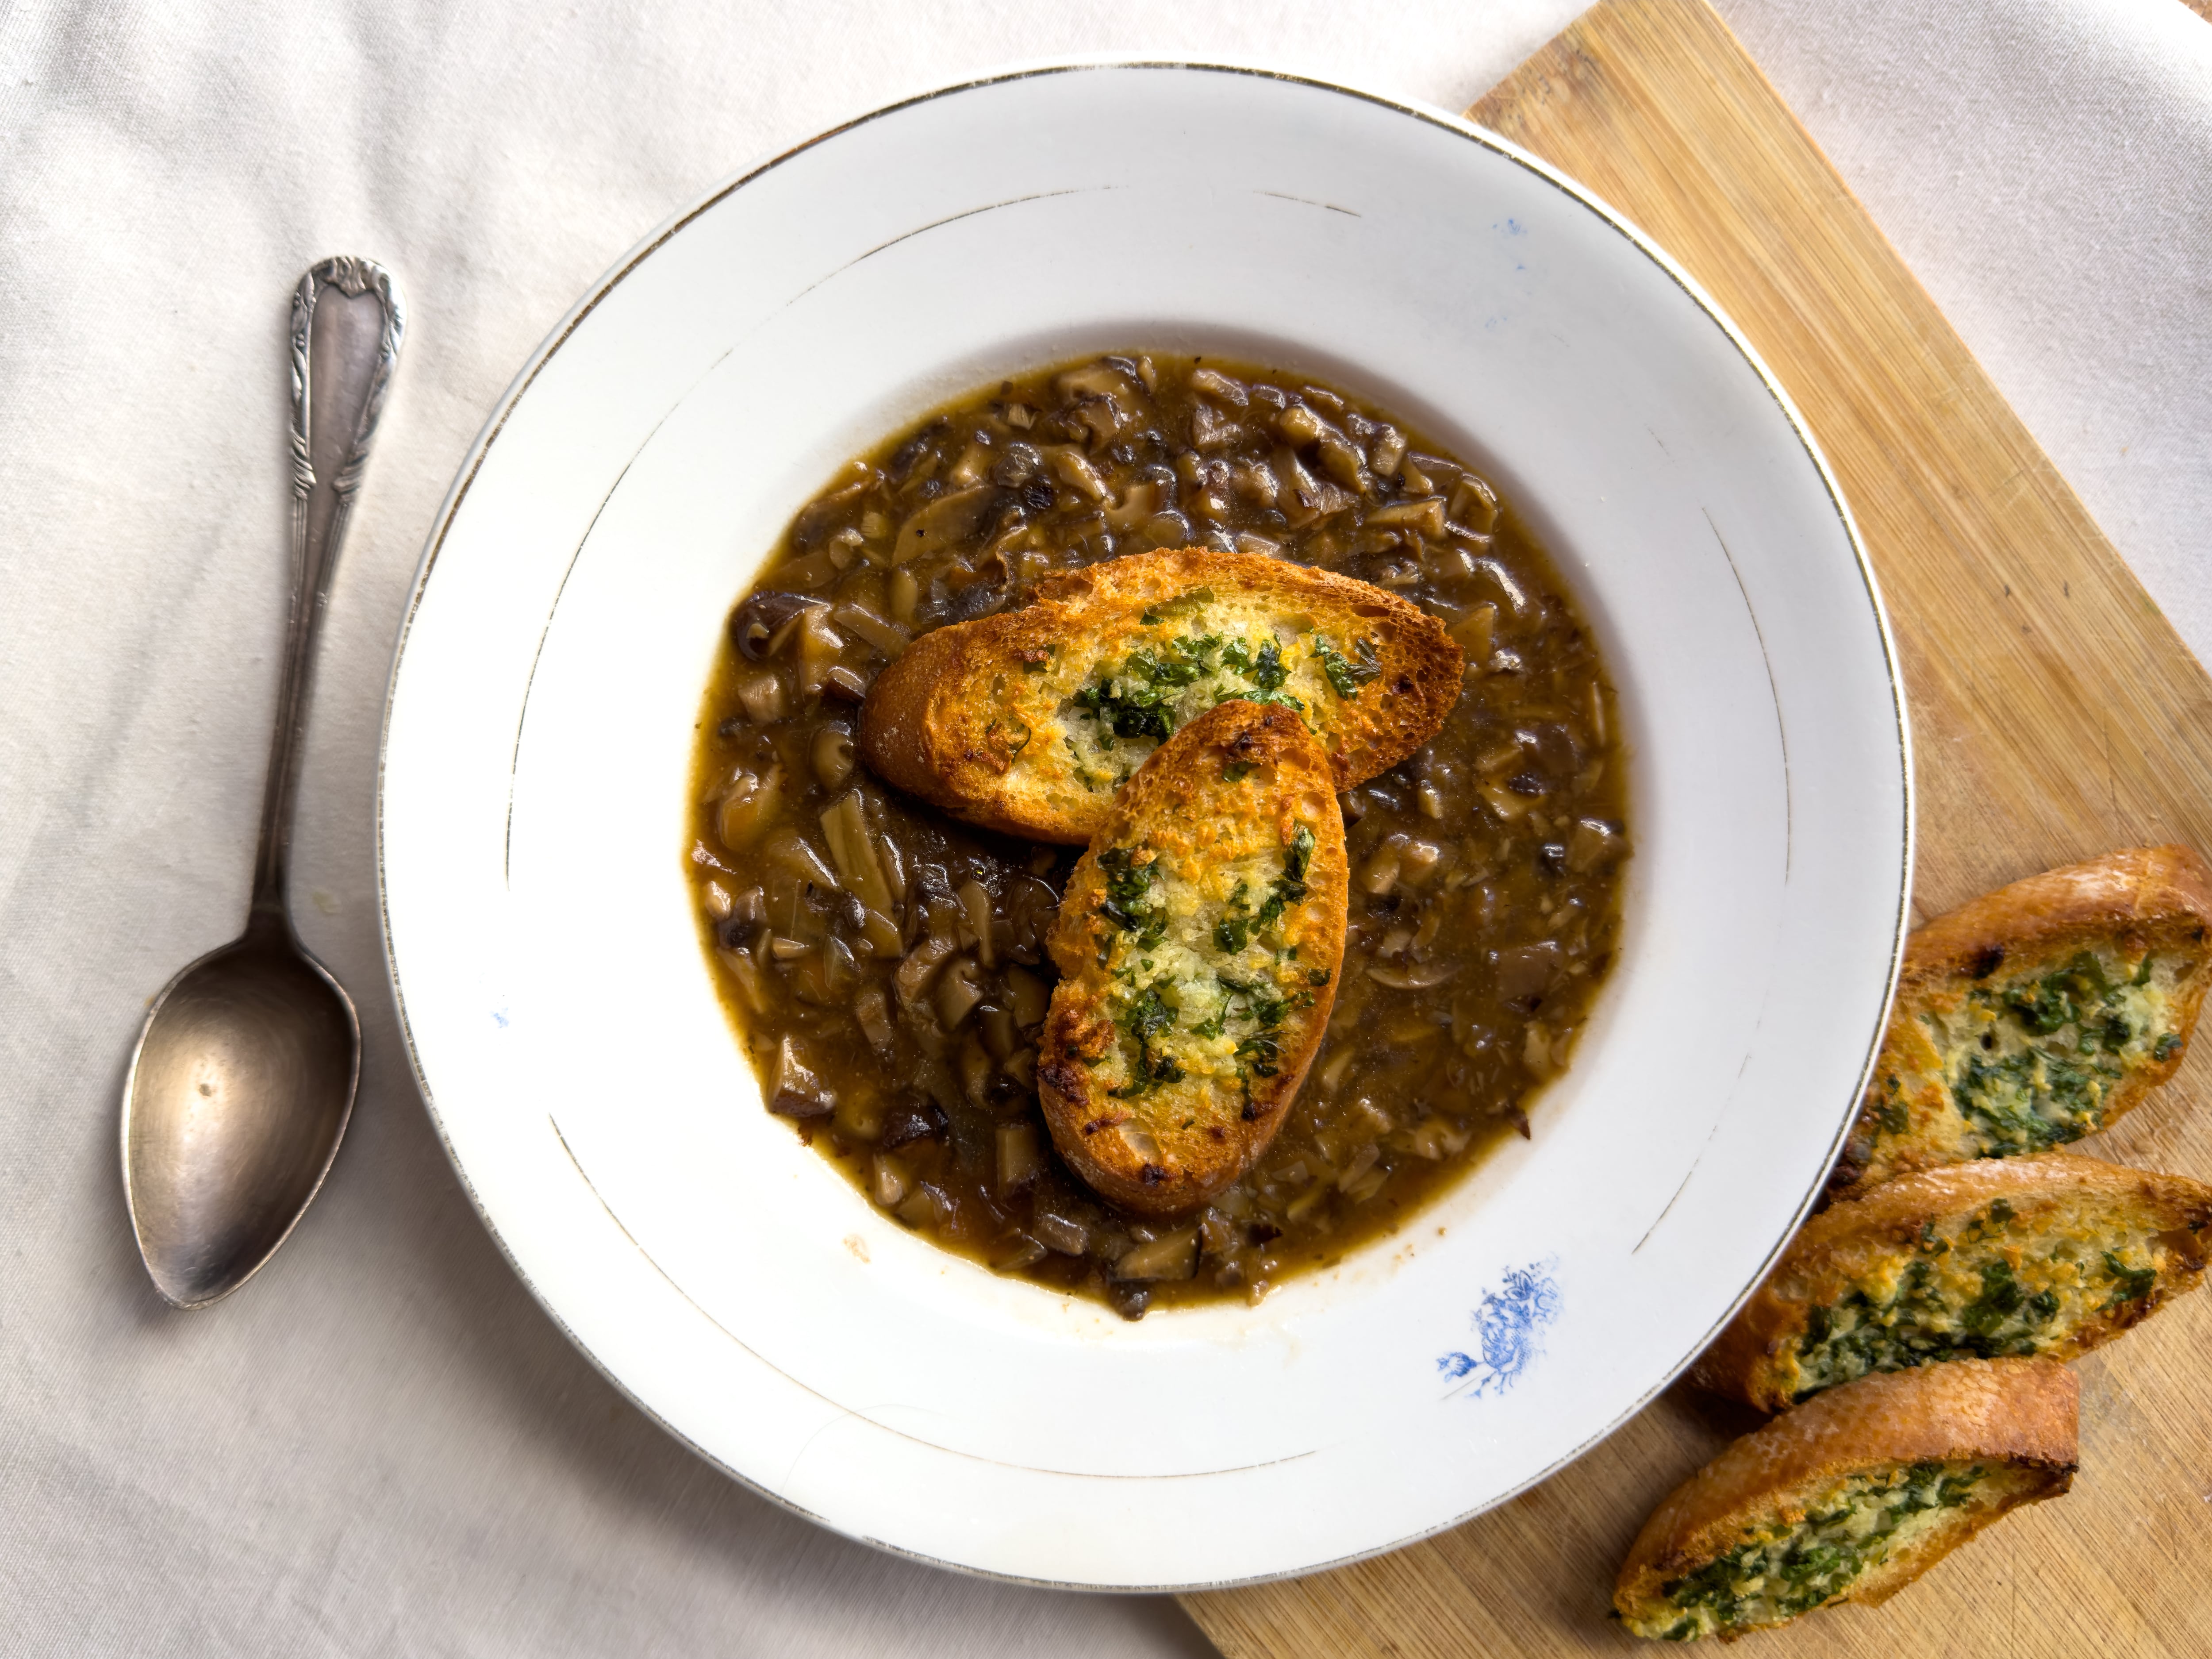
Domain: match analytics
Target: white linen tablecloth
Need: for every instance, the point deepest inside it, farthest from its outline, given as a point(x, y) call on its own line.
point(382, 1446)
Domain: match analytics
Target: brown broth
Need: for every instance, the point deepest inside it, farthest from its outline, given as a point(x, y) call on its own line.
point(1486, 869)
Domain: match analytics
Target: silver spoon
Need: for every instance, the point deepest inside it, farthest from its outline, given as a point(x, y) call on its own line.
point(244, 1075)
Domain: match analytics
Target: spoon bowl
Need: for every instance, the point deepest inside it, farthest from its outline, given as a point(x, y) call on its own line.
point(233, 1109)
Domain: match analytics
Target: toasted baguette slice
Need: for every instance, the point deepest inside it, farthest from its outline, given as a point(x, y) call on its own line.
point(2036, 1014)
point(1199, 940)
point(2050, 1254)
point(1028, 721)
point(1851, 1497)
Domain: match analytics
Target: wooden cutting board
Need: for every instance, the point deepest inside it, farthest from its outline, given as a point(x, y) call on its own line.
point(2055, 714)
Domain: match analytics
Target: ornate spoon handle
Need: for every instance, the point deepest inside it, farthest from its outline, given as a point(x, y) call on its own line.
point(340, 370)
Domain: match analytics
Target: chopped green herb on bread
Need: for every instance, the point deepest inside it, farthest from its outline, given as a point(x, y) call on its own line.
point(1851, 1497)
point(2050, 1254)
point(2036, 1014)
point(1028, 721)
point(1199, 942)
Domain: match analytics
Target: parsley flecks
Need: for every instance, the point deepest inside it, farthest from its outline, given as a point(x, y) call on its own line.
point(1137, 699)
point(1265, 672)
point(1290, 887)
point(1262, 1053)
point(1268, 673)
point(1291, 883)
point(1127, 709)
point(2080, 1030)
point(1181, 667)
point(1128, 903)
point(2062, 998)
point(1237, 770)
point(2134, 1283)
point(1084, 775)
point(1146, 1018)
point(1234, 930)
point(1345, 678)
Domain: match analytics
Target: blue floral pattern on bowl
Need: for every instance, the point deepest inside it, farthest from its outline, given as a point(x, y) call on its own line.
point(1508, 1322)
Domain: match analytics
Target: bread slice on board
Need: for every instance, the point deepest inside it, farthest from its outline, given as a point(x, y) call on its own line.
point(1199, 942)
point(2036, 1014)
point(1851, 1497)
point(2050, 1254)
point(1028, 721)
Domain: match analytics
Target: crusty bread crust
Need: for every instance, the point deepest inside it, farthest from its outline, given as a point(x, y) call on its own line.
point(973, 716)
point(1229, 792)
point(2022, 1413)
point(1849, 1243)
point(2131, 902)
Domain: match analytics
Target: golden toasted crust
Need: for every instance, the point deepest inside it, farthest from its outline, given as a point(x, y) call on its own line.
point(2123, 909)
point(1938, 1220)
point(979, 718)
point(1232, 822)
point(2020, 1418)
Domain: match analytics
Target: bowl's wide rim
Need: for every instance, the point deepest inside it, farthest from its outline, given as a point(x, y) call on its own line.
point(496, 420)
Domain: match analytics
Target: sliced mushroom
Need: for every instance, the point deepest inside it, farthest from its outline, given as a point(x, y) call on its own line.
point(788, 850)
point(749, 803)
point(1076, 471)
point(832, 756)
point(1031, 1001)
point(1139, 502)
point(1021, 1157)
point(1418, 977)
point(873, 1010)
point(1593, 845)
point(795, 1091)
point(886, 636)
point(905, 594)
point(1525, 973)
point(853, 848)
point(1095, 380)
point(757, 626)
point(957, 993)
point(1390, 451)
point(1474, 505)
point(1208, 383)
point(1017, 465)
point(889, 1181)
point(977, 906)
point(943, 524)
point(1426, 517)
point(818, 646)
point(1171, 1256)
point(1061, 1233)
point(765, 697)
point(1212, 430)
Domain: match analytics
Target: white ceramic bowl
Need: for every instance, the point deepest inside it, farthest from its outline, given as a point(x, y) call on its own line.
point(533, 812)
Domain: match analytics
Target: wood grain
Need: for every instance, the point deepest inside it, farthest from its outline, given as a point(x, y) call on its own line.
point(2055, 714)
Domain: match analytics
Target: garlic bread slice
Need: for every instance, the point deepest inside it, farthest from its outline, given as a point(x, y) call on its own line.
point(1028, 721)
point(2051, 1254)
point(1851, 1497)
point(1199, 942)
point(2036, 1014)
